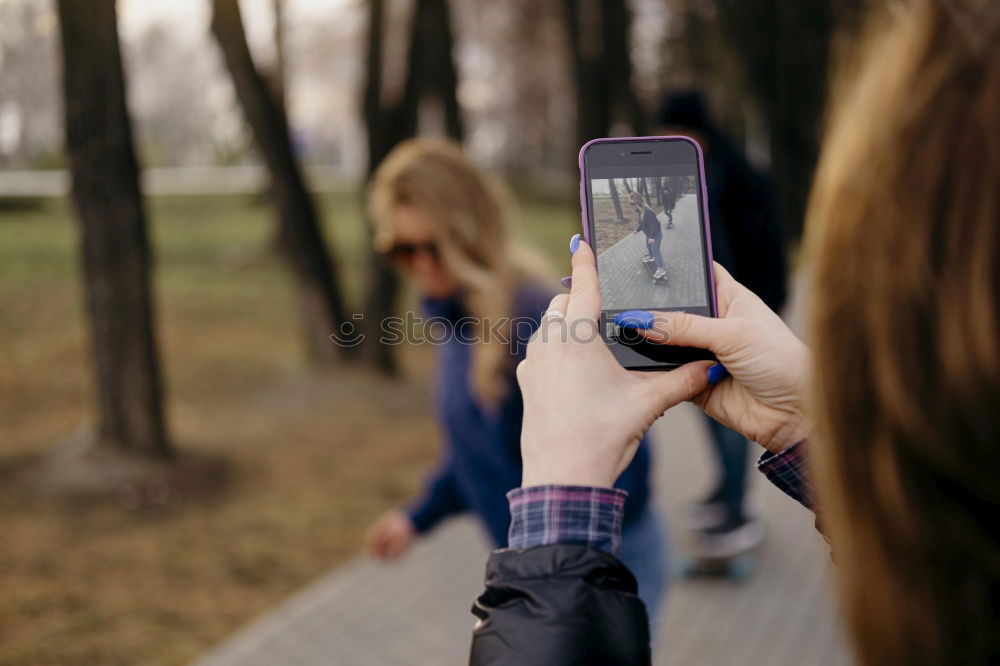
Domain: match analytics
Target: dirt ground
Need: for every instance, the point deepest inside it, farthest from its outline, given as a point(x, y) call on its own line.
point(306, 456)
point(607, 228)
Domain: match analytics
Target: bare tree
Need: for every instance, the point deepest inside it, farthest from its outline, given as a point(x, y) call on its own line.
point(599, 46)
point(277, 73)
point(115, 244)
point(430, 71)
point(785, 49)
point(301, 237)
point(614, 199)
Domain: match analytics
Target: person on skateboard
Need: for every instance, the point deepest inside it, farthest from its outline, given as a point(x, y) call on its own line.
point(649, 225)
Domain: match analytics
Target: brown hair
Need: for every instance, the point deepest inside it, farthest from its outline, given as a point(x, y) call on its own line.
point(470, 214)
point(904, 239)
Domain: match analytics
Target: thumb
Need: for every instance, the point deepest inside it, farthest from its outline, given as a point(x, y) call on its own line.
point(690, 330)
point(678, 385)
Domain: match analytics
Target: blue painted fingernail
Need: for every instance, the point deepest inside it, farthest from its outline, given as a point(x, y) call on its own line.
point(567, 281)
point(574, 244)
point(717, 373)
point(636, 319)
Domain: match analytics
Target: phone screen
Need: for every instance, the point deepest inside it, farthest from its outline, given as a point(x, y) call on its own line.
point(647, 225)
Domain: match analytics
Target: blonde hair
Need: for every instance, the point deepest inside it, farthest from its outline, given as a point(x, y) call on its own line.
point(904, 239)
point(637, 198)
point(470, 215)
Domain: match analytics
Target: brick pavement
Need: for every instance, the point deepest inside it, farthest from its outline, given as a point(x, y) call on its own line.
point(625, 283)
point(417, 611)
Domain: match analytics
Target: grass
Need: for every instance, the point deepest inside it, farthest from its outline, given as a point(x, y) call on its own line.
point(312, 454)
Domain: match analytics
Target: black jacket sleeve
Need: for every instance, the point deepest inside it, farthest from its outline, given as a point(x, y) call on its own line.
point(559, 605)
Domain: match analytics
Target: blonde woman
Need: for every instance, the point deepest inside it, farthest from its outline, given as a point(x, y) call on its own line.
point(649, 225)
point(896, 440)
point(444, 225)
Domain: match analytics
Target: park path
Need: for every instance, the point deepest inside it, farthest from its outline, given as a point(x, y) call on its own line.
point(625, 284)
point(417, 611)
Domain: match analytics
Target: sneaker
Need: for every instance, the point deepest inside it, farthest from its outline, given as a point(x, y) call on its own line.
point(703, 515)
point(647, 259)
point(659, 273)
point(724, 545)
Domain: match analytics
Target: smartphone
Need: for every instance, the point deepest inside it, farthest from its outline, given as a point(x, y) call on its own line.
point(645, 214)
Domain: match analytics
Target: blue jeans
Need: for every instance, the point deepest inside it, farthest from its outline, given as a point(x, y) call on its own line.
point(732, 457)
point(645, 550)
point(654, 250)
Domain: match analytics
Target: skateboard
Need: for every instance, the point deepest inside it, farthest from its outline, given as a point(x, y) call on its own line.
point(650, 267)
point(735, 567)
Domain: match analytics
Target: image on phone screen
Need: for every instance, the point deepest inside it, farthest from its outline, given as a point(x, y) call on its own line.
point(648, 227)
point(648, 236)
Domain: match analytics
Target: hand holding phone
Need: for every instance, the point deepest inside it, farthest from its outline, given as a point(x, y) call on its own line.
point(657, 183)
point(583, 412)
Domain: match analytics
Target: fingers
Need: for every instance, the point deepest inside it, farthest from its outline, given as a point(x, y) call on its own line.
point(726, 289)
point(385, 543)
point(558, 303)
point(585, 293)
point(690, 330)
point(375, 542)
point(678, 385)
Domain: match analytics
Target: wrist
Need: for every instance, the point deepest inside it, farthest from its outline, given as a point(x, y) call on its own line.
point(563, 477)
point(791, 432)
point(542, 472)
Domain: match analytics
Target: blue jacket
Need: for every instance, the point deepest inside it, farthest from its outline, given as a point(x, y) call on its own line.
point(481, 457)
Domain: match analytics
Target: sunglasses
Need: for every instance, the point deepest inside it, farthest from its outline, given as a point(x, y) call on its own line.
point(406, 252)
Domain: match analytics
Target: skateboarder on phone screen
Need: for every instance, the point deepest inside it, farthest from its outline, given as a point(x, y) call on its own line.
point(649, 225)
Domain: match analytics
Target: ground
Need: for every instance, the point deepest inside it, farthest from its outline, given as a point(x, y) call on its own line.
point(608, 229)
point(310, 455)
point(626, 283)
point(416, 610)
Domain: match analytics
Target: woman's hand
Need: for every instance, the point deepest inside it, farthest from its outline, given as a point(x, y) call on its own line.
point(768, 366)
point(390, 536)
point(584, 414)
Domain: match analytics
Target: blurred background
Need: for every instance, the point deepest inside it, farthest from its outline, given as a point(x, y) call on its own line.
point(219, 226)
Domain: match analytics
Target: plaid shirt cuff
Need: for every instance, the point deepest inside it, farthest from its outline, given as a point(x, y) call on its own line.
point(789, 472)
point(544, 515)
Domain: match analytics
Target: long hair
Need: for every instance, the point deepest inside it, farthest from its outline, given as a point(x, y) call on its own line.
point(470, 214)
point(639, 200)
point(904, 241)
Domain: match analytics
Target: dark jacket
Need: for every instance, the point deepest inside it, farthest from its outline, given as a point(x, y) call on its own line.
point(481, 460)
point(559, 605)
point(649, 224)
point(747, 235)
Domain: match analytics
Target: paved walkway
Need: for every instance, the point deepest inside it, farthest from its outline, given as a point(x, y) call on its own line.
point(417, 611)
point(625, 283)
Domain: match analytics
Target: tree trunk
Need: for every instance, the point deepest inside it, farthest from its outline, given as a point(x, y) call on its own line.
point(322, 304)
point(116, 254)
point(599, 47)
point(383, 283)
point(583, 21)
point(615, 199)
point(615, 38)
point(658, 185)
point(785, 48)
point(277, 74)
point(430, 70)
